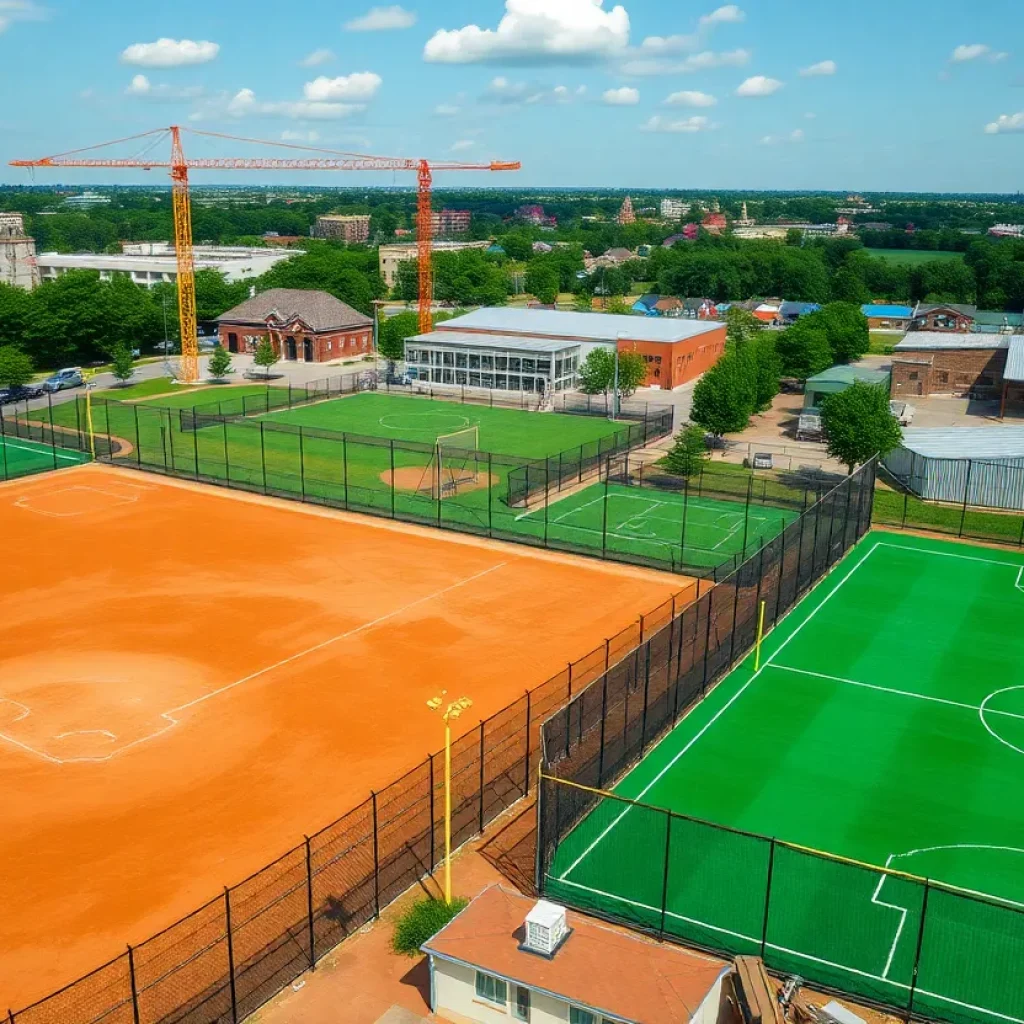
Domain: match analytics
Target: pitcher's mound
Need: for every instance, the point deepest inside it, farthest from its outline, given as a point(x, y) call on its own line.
point(412, 478)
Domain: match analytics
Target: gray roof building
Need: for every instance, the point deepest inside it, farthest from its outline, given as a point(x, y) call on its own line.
point(950, 341)
point(318, 311)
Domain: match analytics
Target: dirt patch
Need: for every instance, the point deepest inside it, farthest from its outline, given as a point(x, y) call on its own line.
point(414, 478)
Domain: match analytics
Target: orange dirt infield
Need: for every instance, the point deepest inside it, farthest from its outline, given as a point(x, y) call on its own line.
point(190, 680)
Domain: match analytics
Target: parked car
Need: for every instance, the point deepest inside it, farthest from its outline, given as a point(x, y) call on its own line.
point(71, 377)
point(20, 393)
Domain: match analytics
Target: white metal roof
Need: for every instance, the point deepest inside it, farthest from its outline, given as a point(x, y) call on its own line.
point(510, 342)
point(551, 323)
point(947, 340)
point(1015, 359)
point(966, 442)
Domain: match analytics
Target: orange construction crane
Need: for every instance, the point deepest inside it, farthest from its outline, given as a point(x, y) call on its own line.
point(330, 160)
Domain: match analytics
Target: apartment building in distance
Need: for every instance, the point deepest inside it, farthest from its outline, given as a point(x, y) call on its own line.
point(17, 253)
point(352, 228)
point(390, 257)
point(450, 222)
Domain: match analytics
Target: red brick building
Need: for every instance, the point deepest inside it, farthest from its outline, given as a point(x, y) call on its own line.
point(303, 326)
point(944, 316)
point(946, 363)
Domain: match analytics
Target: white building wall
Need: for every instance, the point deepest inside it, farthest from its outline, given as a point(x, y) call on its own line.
point(455, 998)
point(17, 253)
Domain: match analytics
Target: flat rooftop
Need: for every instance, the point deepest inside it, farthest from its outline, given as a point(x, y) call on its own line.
point(948, 341)
point(966, 442)
point(516, 342)
point(131, 261)
point(570, 326)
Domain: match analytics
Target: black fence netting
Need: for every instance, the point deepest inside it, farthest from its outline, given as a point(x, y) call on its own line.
point(925, 949)
point(226, 959)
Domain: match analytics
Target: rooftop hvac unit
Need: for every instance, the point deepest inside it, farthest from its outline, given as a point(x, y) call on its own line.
point(546, 928)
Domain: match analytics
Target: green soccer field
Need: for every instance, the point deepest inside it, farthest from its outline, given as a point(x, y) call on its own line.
point(885, 725)
point(531, 435)
point(20, 457)
point(660, 524)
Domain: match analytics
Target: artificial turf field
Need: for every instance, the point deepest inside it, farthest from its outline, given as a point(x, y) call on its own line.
point(20, 457)
point(885, 725)
point(661, 524)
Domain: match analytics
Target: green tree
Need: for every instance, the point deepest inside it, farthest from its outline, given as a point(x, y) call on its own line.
point(393, 333)
point(858, 424)
point(688, 452)
point(722, 398)
point(265, 355)
point(583, 303)
point(741, 326)
point(848, 286)
point(845, 327)
point(518, 245)
point(767, 369)
point(15, 367)
point(632, 372)
point(122, 362)
point(794, 236)
point(220, 363)
point(803, 349)
point(617, 306)
point(542, 280)
point(597, 372)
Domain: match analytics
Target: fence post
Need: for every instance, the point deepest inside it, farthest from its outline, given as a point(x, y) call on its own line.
point(263, 457)
point(967, 491)
point(430, 762)
point(526, 765)
point(134, 985)
point(3, 442)
point(547, 496)
point(607, 653)
point(309, 905)
point(735, 612)
point(604, 716)
point(707, 645)
point(481, 775)
point(138, 440)
point(231, 955)
point(767, 896)
point(665, 869)
point(393, 488)
point(647, 684)
point(227, 461)
point(490, 496)
point(344, 466)
point(302, 465)
point(746, 517)
point(376, 858)
point(195, 437)
point(917, 951)
point(604, 518)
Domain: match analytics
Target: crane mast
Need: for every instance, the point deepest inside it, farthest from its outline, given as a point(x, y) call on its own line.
point(179, 166)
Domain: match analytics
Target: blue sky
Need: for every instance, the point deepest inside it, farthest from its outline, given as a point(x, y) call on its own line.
point(878, 95)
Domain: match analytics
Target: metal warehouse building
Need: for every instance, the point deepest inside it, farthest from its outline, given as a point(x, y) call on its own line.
point(675, 350)
point(980, 466)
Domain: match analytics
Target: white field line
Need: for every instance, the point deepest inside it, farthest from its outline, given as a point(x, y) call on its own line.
point(803, 956)
point(169, 714)
point(38, 451)
point(718, 714)
point(949, 554)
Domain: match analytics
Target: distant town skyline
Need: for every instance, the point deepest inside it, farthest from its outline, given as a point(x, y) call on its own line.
point(647, 94)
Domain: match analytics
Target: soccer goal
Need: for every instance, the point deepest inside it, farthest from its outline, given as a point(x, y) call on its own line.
point(455, 458)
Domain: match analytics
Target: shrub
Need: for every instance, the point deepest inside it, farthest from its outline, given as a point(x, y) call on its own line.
point(422, 920)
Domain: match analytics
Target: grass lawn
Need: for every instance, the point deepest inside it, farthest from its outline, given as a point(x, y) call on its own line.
point(912, 257)
point(885, 725)
point(898, 509)
point(530, 435)
point(21, 457)
point(882, 342)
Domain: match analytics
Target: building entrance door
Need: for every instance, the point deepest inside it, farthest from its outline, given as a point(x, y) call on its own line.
point(307, 349)
point(289, 349)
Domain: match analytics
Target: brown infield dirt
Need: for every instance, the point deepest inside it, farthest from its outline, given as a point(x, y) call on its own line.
point(193, 679)
point(410, 478)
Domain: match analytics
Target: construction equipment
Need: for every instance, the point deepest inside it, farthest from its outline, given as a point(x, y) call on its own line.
point(329, 160)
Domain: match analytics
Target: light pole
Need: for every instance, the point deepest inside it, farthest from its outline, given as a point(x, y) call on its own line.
point(453, 710)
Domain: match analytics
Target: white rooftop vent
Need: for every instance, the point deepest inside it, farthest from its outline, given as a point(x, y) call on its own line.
point(546, 928)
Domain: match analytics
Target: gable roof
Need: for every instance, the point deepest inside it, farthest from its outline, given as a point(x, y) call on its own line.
point(319, 311)
point(612, 972)
point(924, 308)
point(950, 341)
point(798, 308)
point(648, 301)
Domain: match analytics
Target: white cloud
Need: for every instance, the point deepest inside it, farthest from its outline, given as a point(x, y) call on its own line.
point(822, 68)
point(508, 93)
point(810, 115)
point(706, 60)
point(624, 97)
point(20, 10)
point(462, 145)
point(245, 104)
point(697, 123)
point(142, 87)
point(382, 19)
point(759, 85)
point(355, 88)
point(316, 58)
point(170, 53)
point(669, 44)
point(535, 31)
point(969, 51)
point(730, 14)
point(292, 136)
point(797, 135)
point(1006, 123)
point(690, 98)
point(447, 110)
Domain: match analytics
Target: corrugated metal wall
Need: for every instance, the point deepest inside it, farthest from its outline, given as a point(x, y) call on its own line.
point(979, 483)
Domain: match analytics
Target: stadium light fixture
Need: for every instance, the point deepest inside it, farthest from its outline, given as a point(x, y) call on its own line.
point(452, 711)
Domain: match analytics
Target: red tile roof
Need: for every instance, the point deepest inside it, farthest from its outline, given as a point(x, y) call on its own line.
point(608, 970)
